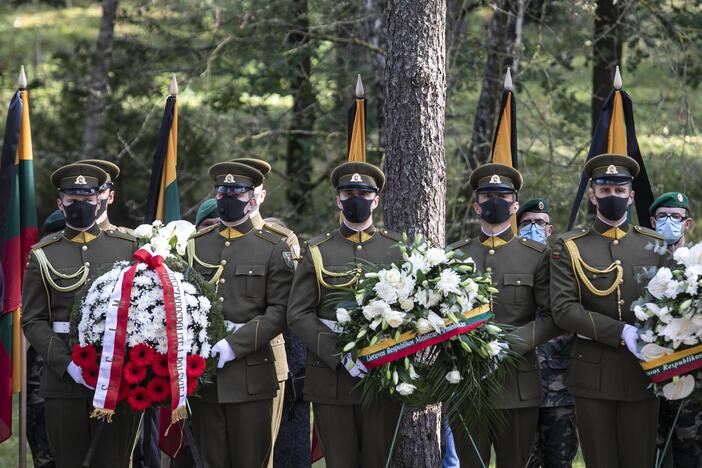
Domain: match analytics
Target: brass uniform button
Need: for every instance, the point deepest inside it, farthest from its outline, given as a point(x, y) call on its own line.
point(227, 244)
point(615, 242)
point(491, 251)
point(87, 264)
point(359, 247)
point(221, 299)
point(84, 248)
point(223, 262)
point(222, 280)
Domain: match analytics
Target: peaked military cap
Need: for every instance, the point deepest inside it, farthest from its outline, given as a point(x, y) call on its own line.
point(207, 209)
point(358, 175)
point(670, 200)
point(112, 170)
point(494, 177)
point(259, 164)
point(611, 169)
point(235, 177)
point(535, 205)
point(79, 179)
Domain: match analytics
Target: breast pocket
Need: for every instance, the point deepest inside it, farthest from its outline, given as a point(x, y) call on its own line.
point(516, 287)
point(250, 280)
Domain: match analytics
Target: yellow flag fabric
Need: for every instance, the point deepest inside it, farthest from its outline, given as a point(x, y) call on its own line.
point(168, 177)
point(357, 148)
point(616, 142)
point(502, 150)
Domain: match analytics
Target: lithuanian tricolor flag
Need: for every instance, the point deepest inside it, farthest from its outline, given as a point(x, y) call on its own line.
point(504, 145)
point(616, 133)
point(18, 233)
point(164, 201)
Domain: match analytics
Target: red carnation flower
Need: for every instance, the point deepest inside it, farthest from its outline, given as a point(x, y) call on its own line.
point(195, 366)
point(133, 373)
point(159, 364)
point(139, 399)
point(141, 354)
point(90, 374)
point(84, 356)
point(192, 386)
point(158, 389)
point(124, 390)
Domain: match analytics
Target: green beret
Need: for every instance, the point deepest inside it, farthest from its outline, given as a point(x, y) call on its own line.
point(358, 175)
point(54, 222)
point(259, 164)
point(235, 177)
point(611, 169)
point(535, 205)
point(207, 209)
point(494, 177)
point(79, 179)
point(112, 169)
point(670, 200)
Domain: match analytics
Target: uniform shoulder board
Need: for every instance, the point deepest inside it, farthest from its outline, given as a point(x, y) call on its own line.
point(648, 232)
point(47, 240)
point(120, 234)
point(538, 246)
point(574, 234)
point(458, 244)
point(391, 235)
point(320, 239)
point(278, 229)
point(270, 236)
point(205, 231)
point(126, 230)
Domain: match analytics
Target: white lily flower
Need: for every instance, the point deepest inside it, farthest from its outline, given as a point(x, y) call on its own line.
point(679, 388)
point(405, 389)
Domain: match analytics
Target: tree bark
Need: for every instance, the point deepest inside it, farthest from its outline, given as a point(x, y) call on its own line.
point(415, 165)
point(606, 53)
point(97, 88)
point(299, 156)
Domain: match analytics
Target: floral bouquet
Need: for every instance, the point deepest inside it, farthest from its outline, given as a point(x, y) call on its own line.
point(144, 329)
point(669, 319)
point(423, 329)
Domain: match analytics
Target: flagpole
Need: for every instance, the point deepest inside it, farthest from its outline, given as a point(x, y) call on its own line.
point(22, 85)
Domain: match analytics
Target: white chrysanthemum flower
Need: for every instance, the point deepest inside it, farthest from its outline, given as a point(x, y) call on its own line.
point(205, 350)
point(449, 282)
point(385, 291)
point(205, 304)
point(418, 262)
point(189, 288)
point(374, 309)
point(405, 287)
point(342, 315)
point(427, 298)
point(435, 256)
point(191, 301)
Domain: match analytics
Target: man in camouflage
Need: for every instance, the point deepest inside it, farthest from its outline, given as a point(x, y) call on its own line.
point(556, 441)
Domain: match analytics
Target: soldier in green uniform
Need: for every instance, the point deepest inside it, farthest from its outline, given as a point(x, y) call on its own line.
point(520, 269)
point(58, 266)
point(556, 441)
point(596, 272)
point(106, 196)
point(253, 270)
point(351, 434)
point(670, 215)
point(207, 214)
point(278, 343)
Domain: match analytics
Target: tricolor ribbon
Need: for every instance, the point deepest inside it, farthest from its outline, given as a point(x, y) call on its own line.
point(114, 340)
point(673, 365)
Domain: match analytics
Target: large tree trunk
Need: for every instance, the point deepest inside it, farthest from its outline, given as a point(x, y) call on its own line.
point(299, 156)
point(606, 52)
point(415, 92)
point(97, 88)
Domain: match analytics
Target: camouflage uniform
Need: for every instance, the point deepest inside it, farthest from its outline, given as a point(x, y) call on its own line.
point(36, 424)
point(685, 448)
point(556, 441)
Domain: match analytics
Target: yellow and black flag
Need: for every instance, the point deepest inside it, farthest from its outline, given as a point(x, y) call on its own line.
point(164, 201)
point(356, 133)
point(616, 133)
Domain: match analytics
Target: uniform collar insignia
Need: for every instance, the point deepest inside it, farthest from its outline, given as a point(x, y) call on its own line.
point(495, 242)
point(358, 237)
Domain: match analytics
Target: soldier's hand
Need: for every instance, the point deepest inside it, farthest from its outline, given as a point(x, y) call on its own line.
point(630, 336)
point(76, 374)
point(226, 353)
point(354, 367)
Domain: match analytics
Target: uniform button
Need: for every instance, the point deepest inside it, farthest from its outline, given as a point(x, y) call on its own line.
point(265, 359)
point(615, 242)
point(621, 302)
point(223, 262)
point(617, 262)
point(328, 234)
point(519, 282)
point(221, 299)
point(227, 244)
point(491, 252)
point(359, 247)
point(488, 269)
point(87, 264)
point(222, 281)
point(84, 248)
point(250, 272)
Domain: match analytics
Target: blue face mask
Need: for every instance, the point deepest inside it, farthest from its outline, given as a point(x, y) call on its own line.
point(670, 230)
point(534, 232)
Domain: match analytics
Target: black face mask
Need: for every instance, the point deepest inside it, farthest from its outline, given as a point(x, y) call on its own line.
point(356, 209)
point(80, 214)
point(612, 207)
point(495, 210)
point(231, 209)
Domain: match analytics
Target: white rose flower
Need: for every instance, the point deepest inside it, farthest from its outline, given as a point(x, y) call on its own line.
point(390, 276)
point(659, 283)
point(405, 389)
point(679, 388)
point(405, 288)
point(449, 282)
point(435, 256)
point(342, 315)
point(652, 351)
point(144, 231)
point(406, 304)
point(375, 309)
point(394, 317)
point(423, 326)
point(385, 291)
point(453, 377)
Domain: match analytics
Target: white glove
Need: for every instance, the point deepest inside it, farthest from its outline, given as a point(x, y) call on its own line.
point(354, 368)
point(226, 353)
point(630, 336)
point(76, 374)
